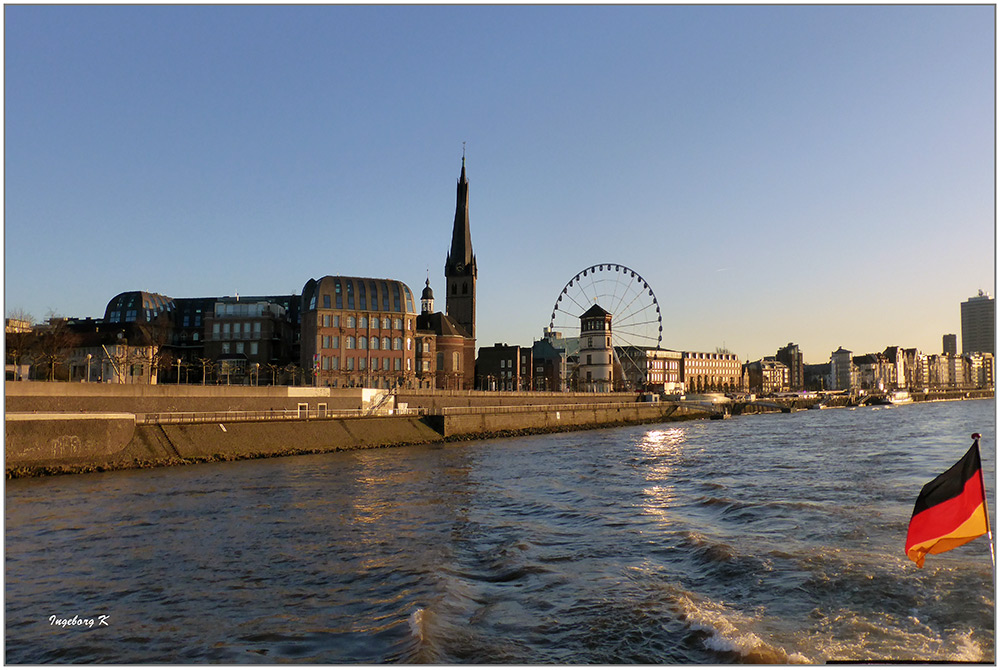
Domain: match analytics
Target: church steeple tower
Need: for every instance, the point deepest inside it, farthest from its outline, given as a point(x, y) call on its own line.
point(460, 268)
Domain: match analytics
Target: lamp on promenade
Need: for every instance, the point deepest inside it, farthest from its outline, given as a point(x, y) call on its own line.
point(89, 356)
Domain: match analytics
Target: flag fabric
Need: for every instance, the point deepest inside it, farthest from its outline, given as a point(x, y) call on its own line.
point(950, 510)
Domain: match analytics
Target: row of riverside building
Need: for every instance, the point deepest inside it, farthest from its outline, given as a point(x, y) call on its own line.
point(357, 331)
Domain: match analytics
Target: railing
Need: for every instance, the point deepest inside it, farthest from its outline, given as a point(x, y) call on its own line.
point(232, 416)
point(565, 407)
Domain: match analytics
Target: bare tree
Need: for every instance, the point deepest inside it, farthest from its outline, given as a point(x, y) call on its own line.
point(273, 369)
point(20, 338)
point(206, 363)
point(54, 343)
point(156, 335)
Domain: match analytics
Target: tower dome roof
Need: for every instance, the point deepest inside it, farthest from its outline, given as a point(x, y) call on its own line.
point(427, 293)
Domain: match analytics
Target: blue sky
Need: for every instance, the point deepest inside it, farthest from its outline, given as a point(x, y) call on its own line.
point(822, 175)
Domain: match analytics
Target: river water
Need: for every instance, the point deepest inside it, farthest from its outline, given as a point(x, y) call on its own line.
point(775, 538)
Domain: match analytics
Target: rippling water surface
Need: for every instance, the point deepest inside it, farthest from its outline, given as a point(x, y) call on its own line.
point(774, 538)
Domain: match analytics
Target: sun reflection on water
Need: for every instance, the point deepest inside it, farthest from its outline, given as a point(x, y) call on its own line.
point(661, 448)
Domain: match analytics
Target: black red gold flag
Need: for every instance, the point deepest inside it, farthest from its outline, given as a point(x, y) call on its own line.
point(950, 510)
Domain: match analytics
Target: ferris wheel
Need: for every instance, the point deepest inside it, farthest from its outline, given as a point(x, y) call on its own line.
point(636, 322)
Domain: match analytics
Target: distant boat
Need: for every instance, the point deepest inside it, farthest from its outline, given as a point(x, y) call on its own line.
point(900, 398)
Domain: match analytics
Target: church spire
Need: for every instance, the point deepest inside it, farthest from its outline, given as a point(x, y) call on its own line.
point(461, 259)
point(460, 269)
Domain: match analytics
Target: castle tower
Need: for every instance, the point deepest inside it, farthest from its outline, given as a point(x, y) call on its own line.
point(596, 355)
point(460, 269)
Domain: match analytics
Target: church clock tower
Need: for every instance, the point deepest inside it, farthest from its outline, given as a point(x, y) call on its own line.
point(460, 269)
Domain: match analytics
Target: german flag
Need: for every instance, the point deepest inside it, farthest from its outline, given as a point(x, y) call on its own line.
point(950, 510)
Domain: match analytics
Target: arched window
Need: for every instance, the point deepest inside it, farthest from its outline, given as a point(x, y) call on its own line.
point(363, 321)
point(375, 342)
point(362, 342)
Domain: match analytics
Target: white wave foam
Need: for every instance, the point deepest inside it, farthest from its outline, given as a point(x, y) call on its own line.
point(966, 649)
point(416, 621)
point(729, 632)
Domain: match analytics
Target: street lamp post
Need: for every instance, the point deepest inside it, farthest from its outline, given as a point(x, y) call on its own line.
point(89, 356)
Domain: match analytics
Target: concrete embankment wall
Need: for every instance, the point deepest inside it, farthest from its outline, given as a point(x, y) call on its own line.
point(545, 419)
point(37, 444)
point(147, 399)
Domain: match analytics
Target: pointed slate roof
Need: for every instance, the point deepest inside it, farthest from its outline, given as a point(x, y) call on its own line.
point(596, 310)
point(461, 237)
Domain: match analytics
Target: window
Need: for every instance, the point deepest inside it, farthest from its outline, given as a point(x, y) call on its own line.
point(326, 300)
point(385, 342)
point(225, 331)
point(362, 297)
point(455, 361)
point(385, 363)
point(335, 342)
point(409, 344)
point(407, 364)
point(326, 341)
point(409, 324)
point(362, 342)
point(397, 343)
point(256, 329)
point(363, 321)
point(225, 347)
point(397, 324)
point(350, 344)
point(239, 347)
point(396, 365)
point(336, 321)
point(350, 322)
point(335, 363)
point(375, 342)
point(194, 336)
point(385, 323)
point(215, 330)
point(253, 349)
point(340, 298)
point(326, 320)
point(350, 363)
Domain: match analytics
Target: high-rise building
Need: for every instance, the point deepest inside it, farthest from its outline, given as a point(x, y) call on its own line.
point(791, 356)
point(842, 374)
point(949, 344)
point(978, 324)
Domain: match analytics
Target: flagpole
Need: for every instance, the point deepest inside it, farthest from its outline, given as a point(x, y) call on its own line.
point(986, 507)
